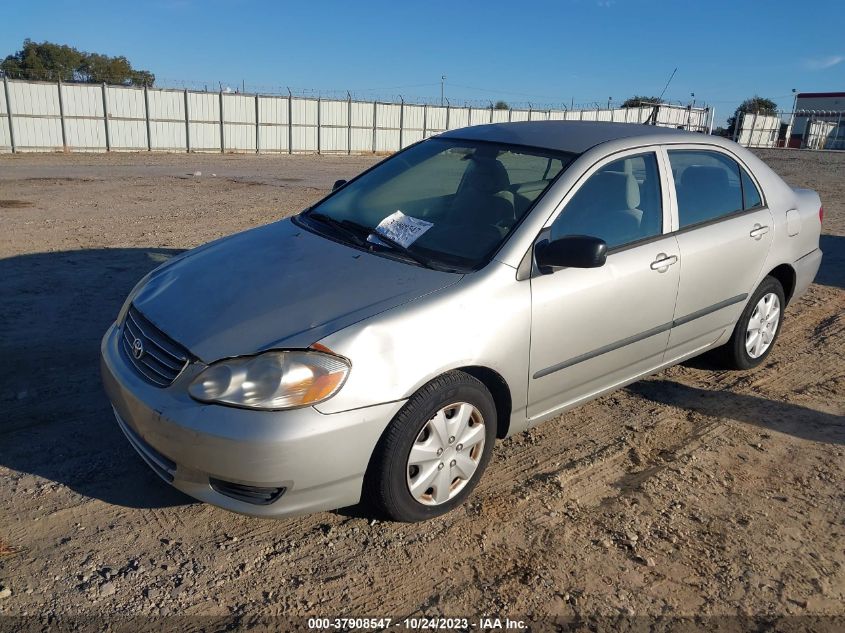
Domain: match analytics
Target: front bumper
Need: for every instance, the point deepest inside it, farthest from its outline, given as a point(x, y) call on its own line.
point(318, 459)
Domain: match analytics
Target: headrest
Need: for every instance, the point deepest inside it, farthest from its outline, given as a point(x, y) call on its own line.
point(487, 175)
point(704, 177)
point(606, 189)
point(632, 187)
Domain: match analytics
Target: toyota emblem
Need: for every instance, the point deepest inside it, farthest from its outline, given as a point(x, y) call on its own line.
point(137, 348)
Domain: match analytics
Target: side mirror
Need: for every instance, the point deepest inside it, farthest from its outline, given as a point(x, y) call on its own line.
point(338, 184)
point(572, 251)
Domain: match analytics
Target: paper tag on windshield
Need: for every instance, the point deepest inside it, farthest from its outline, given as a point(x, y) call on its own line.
point(401, 228)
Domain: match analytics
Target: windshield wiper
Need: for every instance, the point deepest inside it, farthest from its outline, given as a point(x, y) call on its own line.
point(355, 232)
point(350, 229)
point(420, 259)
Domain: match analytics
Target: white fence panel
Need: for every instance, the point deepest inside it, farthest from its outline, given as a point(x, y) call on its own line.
point(479, 116)
point(387, 127)
point(435, 120)
point(167, 120)
point(414, 122)
point(273, 110)
point(35, 115)
point(84, 125)
point(362, 126)
point(333, 140)
point(387, 140)
point(304, 125)
point(33, 134)
point(334, 126)
point(362, 140)
point(519, 115)
point(128, 135)
point(500, 116)
point(239, 123)
point(82, 100)
point(458, 117)
point(273, 133)
point(387, 116)
point(204, 120)
point(127, 118)
point(39, 99)
point(127, 103)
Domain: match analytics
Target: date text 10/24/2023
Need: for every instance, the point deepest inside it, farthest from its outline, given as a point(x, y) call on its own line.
point(422, 623)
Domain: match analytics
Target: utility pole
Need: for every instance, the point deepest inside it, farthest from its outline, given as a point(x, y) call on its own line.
point(442, 94)
point(791, 118)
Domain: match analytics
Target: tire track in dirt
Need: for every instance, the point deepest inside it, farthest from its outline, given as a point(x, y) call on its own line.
point(696, 491)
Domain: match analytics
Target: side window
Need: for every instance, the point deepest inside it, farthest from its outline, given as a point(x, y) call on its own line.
point(707, 184)
point(750, 194)
point(620, 203)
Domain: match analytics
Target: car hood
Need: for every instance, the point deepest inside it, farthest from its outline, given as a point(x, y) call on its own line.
point(275, 286)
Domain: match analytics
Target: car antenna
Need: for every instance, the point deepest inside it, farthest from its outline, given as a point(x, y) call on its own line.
point(667, 83)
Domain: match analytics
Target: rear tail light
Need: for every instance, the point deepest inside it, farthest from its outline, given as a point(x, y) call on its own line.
point(821, 214)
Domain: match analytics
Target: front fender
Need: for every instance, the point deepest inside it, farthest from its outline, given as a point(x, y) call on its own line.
point(483, 320)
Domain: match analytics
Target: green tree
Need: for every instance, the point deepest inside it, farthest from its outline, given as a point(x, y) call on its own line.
point(46, 61)
point(637, 101)
point(501, 105)
point(754, 105)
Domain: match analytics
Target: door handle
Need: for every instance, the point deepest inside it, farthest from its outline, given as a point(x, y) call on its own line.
point(758, 231)
point(663, 261)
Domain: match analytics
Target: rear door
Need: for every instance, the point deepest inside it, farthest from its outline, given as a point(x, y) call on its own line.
point(724, 235)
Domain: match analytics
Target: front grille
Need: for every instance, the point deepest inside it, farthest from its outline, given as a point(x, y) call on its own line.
point(156, 356)
point(256, 495)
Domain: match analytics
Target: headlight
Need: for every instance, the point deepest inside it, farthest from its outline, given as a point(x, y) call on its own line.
point(272, 380)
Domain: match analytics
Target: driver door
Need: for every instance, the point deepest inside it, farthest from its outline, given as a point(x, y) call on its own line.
point(593, 329)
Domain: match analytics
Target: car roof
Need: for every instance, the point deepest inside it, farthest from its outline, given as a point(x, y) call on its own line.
point(570, 136)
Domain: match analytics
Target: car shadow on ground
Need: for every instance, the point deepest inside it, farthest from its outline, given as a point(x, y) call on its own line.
point(774, 415)
point(832, 270)
point(57, 421)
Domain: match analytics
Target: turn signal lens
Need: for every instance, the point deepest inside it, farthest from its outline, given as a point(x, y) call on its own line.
point(272, 380)
point(821, 214)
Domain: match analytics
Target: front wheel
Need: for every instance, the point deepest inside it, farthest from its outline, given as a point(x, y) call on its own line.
point(758, 327)
point(434, 451)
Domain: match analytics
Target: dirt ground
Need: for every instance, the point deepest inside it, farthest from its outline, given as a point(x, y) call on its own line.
point(698, 493)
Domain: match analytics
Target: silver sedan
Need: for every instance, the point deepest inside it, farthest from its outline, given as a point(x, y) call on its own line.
point(473, 285)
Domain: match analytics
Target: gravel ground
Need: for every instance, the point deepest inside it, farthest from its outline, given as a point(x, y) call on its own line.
point(697, 493)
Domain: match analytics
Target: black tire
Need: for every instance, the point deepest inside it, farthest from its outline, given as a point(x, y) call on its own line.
point(386, 485)
point(733, 353)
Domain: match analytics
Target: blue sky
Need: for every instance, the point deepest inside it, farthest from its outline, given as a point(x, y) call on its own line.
point(541, 52)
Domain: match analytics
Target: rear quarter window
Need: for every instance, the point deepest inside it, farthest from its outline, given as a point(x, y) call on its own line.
point(751, 197)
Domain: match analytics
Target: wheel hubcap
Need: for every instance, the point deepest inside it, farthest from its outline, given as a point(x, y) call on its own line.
point(762, 325)
point(446, 454)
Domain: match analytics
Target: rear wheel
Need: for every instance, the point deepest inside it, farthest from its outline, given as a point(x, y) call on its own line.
point(758, 327)
point(434, 451)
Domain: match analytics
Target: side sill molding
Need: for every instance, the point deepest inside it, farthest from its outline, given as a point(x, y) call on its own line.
point(636, 338)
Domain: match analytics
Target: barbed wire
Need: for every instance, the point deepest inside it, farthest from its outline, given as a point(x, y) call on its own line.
point(388, 94)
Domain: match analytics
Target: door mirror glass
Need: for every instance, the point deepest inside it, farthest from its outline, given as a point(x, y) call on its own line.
point(338, 184)
point(573, 251)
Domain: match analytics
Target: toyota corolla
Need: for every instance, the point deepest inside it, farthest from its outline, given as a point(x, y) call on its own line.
point(471, 286)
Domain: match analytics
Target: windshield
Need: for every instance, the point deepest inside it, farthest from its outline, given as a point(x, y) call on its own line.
point(446, 201)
